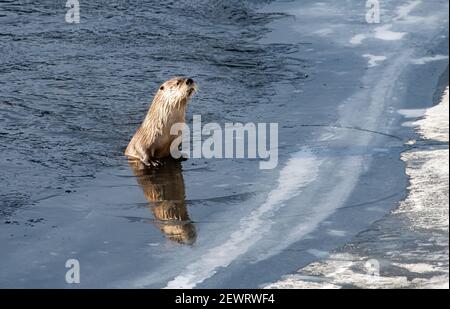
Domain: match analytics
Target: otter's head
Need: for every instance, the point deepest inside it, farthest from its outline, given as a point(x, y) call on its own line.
point(177, 90)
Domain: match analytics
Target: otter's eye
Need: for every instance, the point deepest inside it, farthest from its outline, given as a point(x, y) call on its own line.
point(161, 88)
point(178, 83)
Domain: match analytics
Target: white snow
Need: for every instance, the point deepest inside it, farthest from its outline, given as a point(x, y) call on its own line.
point(427, 203)
point(374, 60)
point(385, 33)
point(426, 208)
point(358, 39)
point(426, 60)
point(435, 125)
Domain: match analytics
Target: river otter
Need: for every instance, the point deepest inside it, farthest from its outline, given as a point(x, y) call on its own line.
point(152, 140)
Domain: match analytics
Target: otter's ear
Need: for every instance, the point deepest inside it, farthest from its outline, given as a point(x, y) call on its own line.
point(161, 88)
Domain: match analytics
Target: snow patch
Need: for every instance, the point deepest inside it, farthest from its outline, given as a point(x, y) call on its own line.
point(358, 39)
point(435, 125)
point(385, 33)
point(426, 60)
point(373, 60)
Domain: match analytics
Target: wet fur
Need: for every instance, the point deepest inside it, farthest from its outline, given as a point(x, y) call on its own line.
point(153, 140)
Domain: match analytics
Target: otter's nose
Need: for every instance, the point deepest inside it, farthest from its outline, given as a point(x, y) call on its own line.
point(189, 81)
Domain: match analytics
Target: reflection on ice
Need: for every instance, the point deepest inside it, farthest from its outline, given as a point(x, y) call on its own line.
point(165, 191)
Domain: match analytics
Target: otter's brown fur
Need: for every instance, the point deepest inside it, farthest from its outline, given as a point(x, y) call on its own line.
point(153, 140)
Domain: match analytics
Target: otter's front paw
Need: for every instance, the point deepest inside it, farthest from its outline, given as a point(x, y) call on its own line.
point(153, 163)
point(158, 163)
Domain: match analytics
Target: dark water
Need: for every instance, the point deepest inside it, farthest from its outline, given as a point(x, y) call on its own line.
point(71, 96)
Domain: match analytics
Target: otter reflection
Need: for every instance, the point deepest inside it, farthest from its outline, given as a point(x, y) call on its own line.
point(164, 189)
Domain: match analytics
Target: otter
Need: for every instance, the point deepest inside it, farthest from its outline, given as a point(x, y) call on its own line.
point(152, 141)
